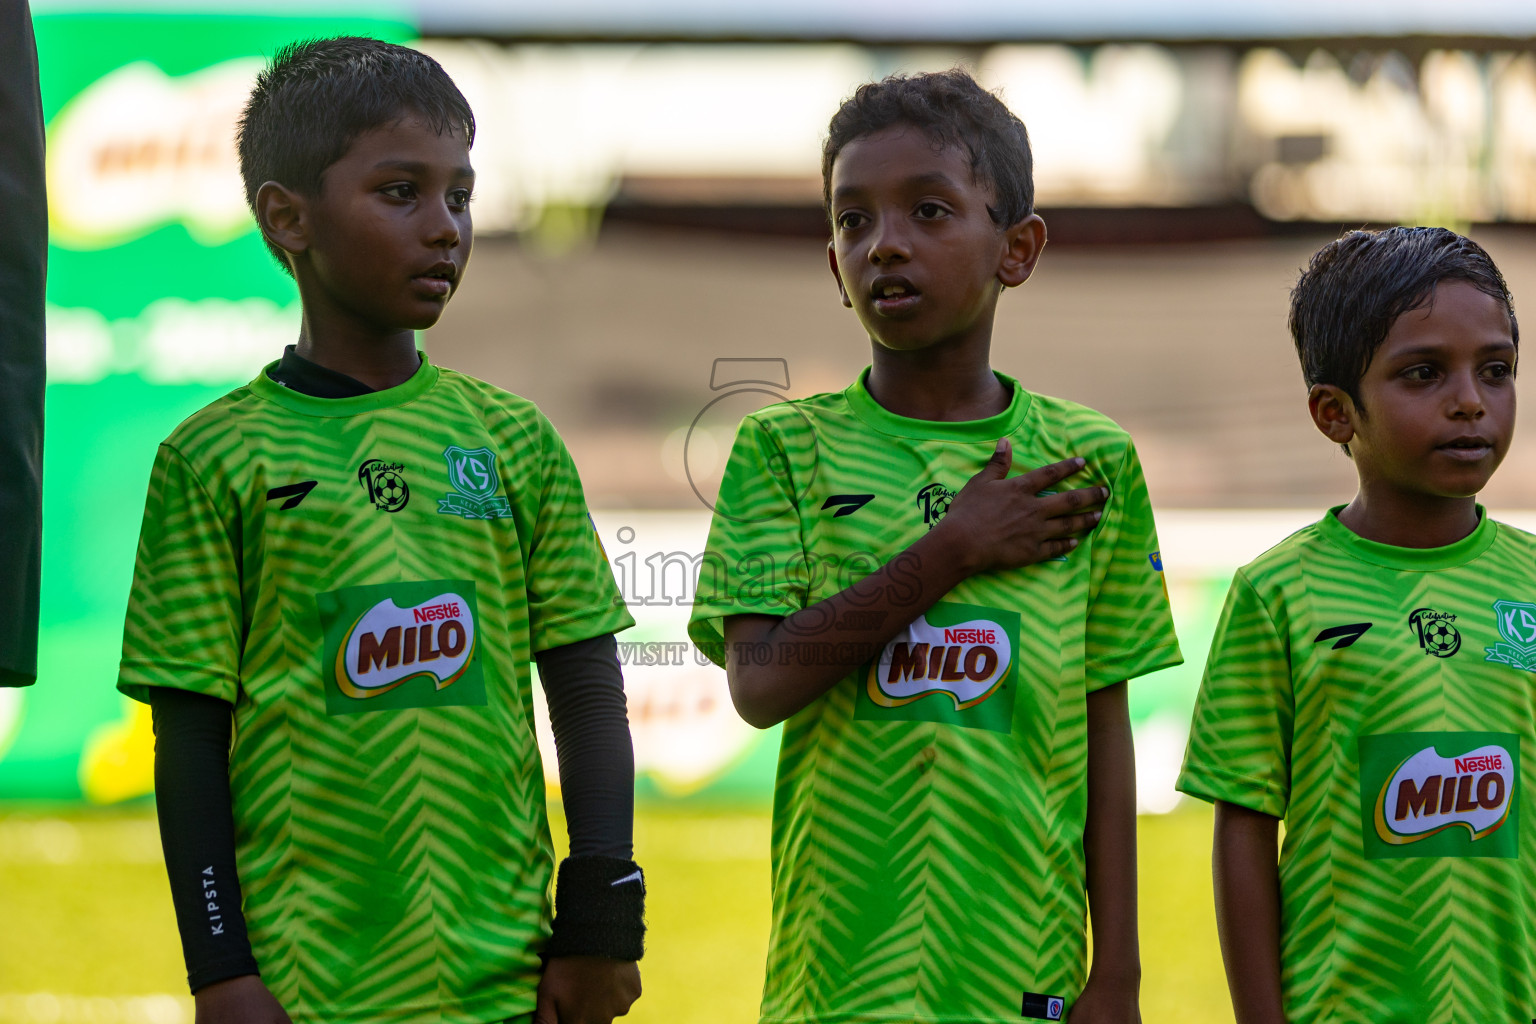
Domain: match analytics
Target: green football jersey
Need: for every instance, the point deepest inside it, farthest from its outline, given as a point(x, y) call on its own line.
point(929, 809)
point(1382, 701)
point(366, 579)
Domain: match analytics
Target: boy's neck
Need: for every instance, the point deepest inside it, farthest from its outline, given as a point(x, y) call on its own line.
point(1424, 521)
point(937, 384)
point(380, 361)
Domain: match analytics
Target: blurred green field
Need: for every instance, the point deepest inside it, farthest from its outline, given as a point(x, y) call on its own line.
point(87, 934)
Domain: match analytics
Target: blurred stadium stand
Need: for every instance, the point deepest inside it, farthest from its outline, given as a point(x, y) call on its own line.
point(1184, 345)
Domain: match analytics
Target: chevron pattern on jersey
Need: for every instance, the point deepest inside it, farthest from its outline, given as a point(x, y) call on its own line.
point(395, 860)
point(1447, 937)
point(923, 869)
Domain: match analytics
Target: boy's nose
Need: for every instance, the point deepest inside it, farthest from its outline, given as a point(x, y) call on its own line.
point(888, 244)
point(1467, 396)
point(444, 228)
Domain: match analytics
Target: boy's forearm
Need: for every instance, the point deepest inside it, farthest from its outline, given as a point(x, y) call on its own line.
point(777, 666)
point(1109, 838)
point(1247, 881)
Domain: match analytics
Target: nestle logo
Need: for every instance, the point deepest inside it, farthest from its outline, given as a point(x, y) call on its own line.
point(970, 636)
point(1484, 763)
point(436, 612)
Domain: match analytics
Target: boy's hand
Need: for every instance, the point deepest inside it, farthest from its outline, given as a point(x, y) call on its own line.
point(586, 990)
point(1106, 1001)
point(1005, 524)
point(242, 1000)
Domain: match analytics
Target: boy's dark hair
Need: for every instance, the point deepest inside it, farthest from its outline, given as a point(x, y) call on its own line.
point(1357, 286)
point(317, 96)
point(952, 110)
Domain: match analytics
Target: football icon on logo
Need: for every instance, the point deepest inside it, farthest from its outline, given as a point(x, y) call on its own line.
point(1441, 639)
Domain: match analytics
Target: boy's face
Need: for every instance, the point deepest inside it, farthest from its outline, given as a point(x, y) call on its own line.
point(387, 239)
point(914, 250)
point(1437, 402)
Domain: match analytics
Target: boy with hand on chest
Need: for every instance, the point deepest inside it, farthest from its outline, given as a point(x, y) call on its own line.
point(945, 637)
point(350, 563)
point(1372, 680)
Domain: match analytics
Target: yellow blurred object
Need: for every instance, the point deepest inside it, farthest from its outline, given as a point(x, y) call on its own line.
point(119, 759)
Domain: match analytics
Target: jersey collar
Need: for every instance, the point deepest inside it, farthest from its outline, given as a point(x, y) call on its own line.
point(1412, 559)
point(986, 431)
point(419, 384)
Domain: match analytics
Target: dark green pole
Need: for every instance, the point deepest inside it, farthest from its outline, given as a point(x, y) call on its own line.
point(23, 269)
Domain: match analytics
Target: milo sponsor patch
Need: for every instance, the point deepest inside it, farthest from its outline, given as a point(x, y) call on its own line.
point(401, 645)
point(1440, 794)
point(955, 664)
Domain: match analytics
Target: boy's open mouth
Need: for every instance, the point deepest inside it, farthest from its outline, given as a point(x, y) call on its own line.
point(892, 293)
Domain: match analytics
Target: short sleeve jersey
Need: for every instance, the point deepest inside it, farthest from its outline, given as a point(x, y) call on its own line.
point(929, 809)
point(366, 579)
point(1382, 700)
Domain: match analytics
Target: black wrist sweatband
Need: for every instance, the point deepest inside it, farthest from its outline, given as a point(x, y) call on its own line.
point(599, 909)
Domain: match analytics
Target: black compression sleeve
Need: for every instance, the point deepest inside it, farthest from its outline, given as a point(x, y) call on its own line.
point(585, 690)
point(197, 833)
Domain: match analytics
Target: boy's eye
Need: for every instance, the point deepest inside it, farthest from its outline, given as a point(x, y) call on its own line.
point(929, 211)
point(1498, 371)
point(400, 190)
point(460, 197)
point(850, 220)
point(1419, 373)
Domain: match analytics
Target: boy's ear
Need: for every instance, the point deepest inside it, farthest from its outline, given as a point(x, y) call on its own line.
point(283, 216)
point(1333, 411)
point(1024, 242)
point(838, 275)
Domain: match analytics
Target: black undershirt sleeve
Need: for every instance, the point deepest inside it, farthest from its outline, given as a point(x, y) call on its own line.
point(587, 713)
point(197, 833)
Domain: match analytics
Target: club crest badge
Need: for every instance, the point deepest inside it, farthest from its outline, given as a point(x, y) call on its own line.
point(472, 472)
point(1517, 626)
point(1516, 621)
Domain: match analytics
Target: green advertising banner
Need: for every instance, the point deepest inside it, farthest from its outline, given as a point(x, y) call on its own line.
point(160, 298)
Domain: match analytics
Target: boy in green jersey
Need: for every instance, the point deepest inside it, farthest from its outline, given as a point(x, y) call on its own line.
point(352, 561)
point(945, 637)
point(1373, 677)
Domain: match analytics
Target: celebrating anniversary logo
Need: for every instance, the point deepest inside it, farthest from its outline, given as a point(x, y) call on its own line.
point(384, 483)
point(1437, 633)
